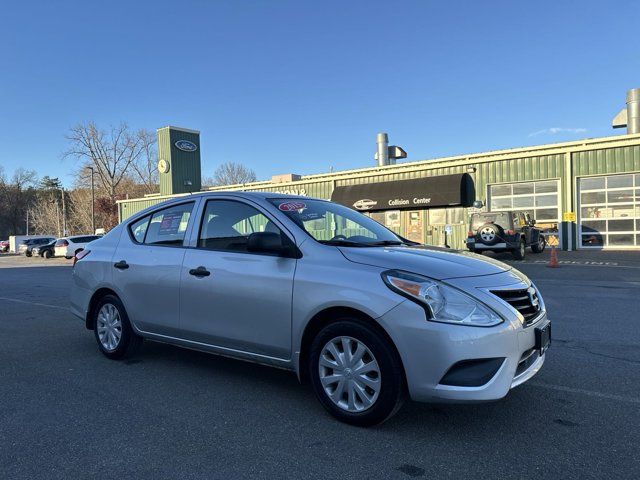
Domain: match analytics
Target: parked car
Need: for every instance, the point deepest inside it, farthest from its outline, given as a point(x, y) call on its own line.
point(27, 245)
point(4, 246)
point(317, 288)
point(67, 247)
point(504, 232)
point(46, 251)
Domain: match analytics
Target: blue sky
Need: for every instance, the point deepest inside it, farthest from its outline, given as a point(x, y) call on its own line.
point(301, 86)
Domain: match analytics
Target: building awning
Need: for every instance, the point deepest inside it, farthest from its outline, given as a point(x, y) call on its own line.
point(429, 192)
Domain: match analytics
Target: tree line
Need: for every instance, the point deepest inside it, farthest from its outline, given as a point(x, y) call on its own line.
point(121, 163)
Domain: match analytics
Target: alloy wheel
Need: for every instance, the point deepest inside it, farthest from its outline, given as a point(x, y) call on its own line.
point(109, 327)
point(487, 234)
point(350, 374)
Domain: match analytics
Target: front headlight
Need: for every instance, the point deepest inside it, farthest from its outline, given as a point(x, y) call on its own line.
point(442, 302)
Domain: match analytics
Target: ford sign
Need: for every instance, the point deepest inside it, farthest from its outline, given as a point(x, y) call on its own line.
point(186, 146)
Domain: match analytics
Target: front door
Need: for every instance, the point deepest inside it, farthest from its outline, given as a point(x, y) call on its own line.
point(233, 298)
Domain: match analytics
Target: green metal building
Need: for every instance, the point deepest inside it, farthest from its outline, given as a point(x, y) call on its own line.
point(586, 193)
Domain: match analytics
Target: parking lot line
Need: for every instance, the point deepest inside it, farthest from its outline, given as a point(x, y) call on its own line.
point(34, 303)
point(581, 391)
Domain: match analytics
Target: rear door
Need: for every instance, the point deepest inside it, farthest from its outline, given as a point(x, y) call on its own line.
point(147, 264)
point(233, 298)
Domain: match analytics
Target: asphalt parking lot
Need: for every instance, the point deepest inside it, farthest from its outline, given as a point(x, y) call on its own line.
point(68, 412)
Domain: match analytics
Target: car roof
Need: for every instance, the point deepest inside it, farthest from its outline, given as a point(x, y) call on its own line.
point(253, 195)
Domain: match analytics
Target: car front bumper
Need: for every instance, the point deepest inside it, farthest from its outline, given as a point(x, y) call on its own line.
point(429, 350)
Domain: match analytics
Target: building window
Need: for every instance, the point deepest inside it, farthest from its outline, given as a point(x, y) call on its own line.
point(539, 199)
point(609, 211)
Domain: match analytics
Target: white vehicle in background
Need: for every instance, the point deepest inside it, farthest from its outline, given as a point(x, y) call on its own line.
point(67, 247)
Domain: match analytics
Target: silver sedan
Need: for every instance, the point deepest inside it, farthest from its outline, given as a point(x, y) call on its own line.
point(365, 316)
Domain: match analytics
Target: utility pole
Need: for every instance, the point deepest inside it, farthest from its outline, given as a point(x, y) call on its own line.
point(93, 203)
point(58, 217)
point(64, 215)
point(27, 221)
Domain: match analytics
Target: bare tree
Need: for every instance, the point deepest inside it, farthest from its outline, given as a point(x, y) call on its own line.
point(111, 153)
point(46, 213)
point(230, 173)
point(146, 166)
point(18, 195)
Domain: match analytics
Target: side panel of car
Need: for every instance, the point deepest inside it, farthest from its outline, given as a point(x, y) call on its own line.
point(146, 276)
point(221, 282)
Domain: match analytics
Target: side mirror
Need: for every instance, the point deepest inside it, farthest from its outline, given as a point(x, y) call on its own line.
point(269, 242)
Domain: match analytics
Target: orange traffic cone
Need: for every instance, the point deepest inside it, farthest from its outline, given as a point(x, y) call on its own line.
point(553, 261)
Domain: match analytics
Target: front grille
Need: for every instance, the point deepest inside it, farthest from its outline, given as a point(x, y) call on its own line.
point(525, 301)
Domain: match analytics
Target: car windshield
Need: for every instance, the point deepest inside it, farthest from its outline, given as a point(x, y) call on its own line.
point(334, 224)
point(499, 218)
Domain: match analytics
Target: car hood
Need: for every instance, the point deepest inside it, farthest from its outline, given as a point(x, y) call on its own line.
point(434, 262)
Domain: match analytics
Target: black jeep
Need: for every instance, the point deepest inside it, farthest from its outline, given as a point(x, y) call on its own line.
point(504, 232)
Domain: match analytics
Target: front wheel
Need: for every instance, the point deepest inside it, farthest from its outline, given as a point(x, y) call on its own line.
point(518, 253)
point(356, 373)
point(112, 329)
point(47, 254)
point(538, 247)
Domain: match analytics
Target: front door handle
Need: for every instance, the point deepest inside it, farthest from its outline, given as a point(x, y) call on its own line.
point(199, 272)
point(121, 265)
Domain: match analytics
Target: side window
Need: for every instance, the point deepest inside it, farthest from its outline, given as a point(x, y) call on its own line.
point(168, 226)
point(226, 225)
point(139, 228)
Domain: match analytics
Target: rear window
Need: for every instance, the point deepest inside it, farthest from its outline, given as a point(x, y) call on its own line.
point(499, 218)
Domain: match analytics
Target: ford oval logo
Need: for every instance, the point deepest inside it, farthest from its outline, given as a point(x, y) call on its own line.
point(186, 146)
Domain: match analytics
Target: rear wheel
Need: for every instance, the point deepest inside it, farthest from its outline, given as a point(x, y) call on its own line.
point(356, 374)
point(112, 329)
point(518, 253)
point(538, 247)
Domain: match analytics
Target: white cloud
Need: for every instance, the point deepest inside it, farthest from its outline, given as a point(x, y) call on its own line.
point(554, 130)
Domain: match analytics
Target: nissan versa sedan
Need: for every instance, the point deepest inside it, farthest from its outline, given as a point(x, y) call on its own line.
point(363, 315)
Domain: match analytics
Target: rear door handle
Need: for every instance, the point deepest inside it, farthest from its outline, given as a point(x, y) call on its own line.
point(199, 272)
point(121, 265)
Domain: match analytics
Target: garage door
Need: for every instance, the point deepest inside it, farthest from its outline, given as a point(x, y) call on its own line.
point(540, 199)
point(609, 211)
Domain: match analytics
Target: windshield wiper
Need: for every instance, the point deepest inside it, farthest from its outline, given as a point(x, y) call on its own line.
point(384, 243)
point(343, 243)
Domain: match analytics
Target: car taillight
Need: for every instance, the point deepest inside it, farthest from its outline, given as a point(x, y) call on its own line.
point(80, 255)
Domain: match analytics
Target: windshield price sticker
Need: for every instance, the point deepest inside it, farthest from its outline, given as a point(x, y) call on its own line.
point(292, 206)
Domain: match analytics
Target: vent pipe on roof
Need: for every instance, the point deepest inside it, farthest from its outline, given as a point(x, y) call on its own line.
point(629, 117)
point(382, 154)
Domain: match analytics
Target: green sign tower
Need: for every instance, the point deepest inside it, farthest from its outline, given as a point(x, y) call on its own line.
point(179, 160)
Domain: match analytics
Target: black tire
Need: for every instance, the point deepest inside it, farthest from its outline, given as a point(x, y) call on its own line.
point(392, 381)
point(519, 253)
point(129, 340)
point(27, 254)
point(498, 233)
point(538, 247)
point(47, 254)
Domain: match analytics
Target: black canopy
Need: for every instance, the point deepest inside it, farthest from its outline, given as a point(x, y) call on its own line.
point(428, 192)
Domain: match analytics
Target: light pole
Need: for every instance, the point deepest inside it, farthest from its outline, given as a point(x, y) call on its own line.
point(93, 207)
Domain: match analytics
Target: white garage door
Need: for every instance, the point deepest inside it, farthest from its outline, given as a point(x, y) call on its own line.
point(540, 199)
point(609, 211)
